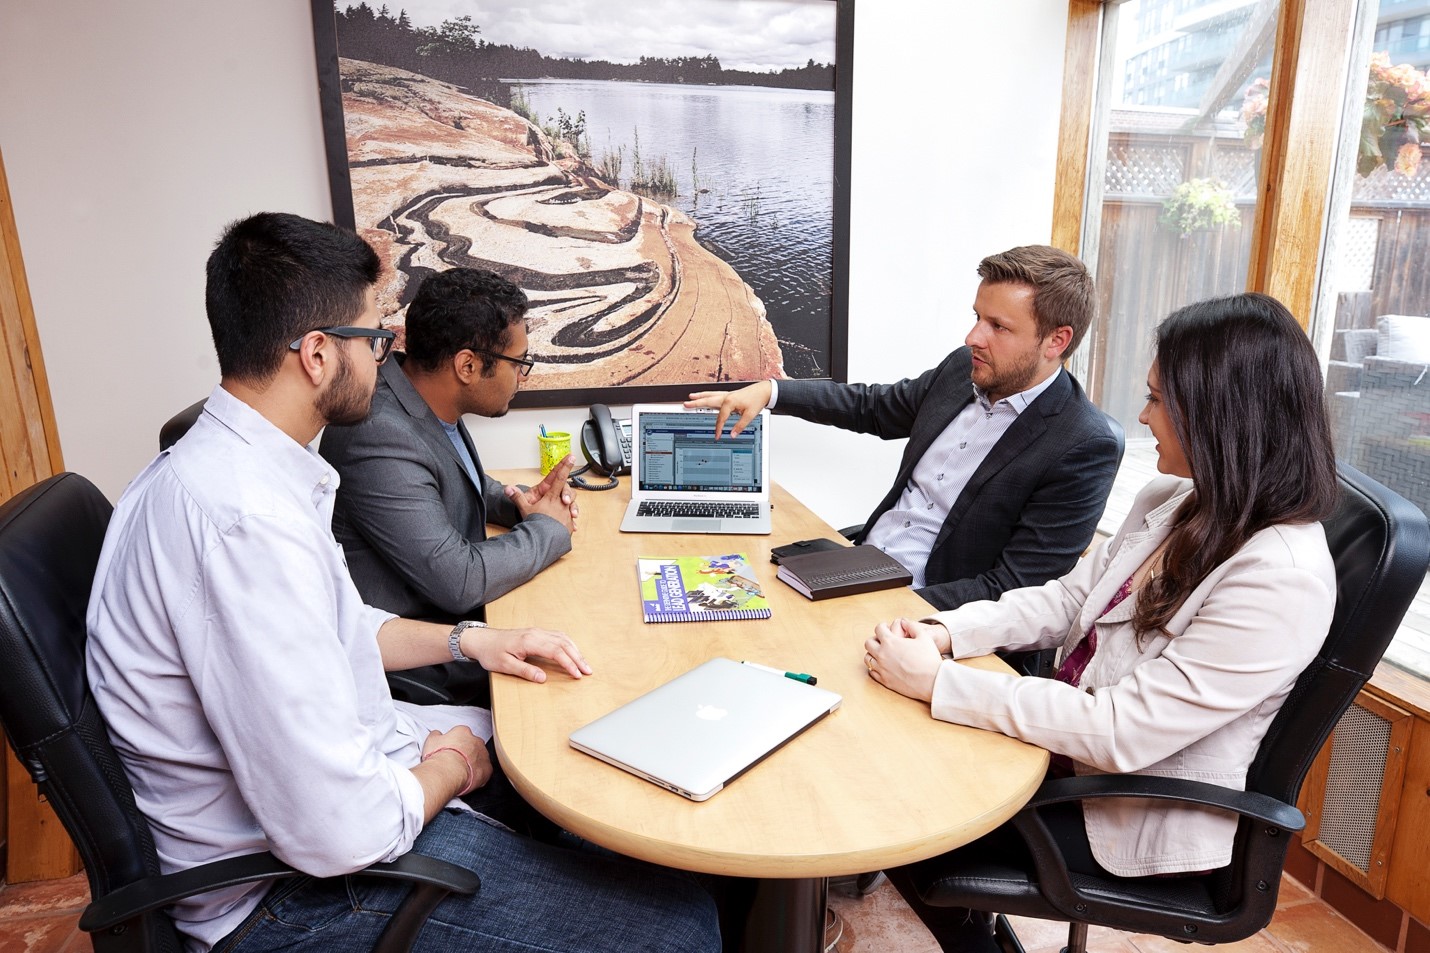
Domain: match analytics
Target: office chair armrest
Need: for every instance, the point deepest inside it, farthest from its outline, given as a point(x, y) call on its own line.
point(1246, 803)
point(851, 533)
point(1057, 883)
point(152, 893)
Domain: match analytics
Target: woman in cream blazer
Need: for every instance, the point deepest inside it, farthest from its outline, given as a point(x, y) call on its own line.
point(1181, 635)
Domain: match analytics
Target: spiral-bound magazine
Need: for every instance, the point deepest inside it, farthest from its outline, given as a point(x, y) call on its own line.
point(700, 589)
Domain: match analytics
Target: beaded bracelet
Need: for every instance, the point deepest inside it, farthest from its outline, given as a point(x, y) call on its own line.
point(471, 784)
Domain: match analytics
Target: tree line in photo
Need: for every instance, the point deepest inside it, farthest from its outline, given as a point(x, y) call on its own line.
point(456, 53)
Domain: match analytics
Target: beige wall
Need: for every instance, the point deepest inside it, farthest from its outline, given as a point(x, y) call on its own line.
point(132, 132)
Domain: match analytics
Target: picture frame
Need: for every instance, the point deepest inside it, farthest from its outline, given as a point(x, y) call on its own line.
point(679, 218)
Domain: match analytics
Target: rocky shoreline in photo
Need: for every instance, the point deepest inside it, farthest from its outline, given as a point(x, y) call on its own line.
point(621, 291)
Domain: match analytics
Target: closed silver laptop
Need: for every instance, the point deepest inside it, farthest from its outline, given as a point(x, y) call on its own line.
point(700, 731)
point(683, 480)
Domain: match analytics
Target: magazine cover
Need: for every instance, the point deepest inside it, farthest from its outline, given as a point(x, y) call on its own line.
point(700, 588)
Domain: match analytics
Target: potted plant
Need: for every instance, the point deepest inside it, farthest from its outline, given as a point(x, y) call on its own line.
point(1199, 205)
point(1395, 119)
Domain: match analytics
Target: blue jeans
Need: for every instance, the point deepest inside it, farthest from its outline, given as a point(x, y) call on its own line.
point(534, 897)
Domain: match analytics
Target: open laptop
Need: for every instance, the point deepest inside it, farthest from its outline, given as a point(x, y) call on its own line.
point(685, 481)
point(700, 731)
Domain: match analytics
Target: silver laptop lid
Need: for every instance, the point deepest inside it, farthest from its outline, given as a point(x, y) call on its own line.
point(701, 730)
point(675, 456)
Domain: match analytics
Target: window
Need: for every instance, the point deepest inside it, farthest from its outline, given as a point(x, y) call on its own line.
point(1374, 294)
point(1224, 186)
point(1172, 194)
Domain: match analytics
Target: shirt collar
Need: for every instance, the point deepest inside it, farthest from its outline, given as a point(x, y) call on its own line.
point(1167, 510)
point(1021, 400)
point(301, 463)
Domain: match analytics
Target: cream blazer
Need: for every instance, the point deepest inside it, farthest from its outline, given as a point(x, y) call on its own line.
point(1194, 704)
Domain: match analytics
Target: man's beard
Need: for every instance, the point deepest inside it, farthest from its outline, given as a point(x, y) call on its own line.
point(1009, 379)
point(345, 402)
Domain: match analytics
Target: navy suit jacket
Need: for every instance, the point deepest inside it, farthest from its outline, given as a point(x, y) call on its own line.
point(1031, 507)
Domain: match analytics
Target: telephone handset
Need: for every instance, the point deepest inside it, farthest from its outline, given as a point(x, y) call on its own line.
point(606, 445)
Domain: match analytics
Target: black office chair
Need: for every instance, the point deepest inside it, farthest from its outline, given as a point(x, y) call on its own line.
point(179, 424)
point(50, 538)
point(1381, 547)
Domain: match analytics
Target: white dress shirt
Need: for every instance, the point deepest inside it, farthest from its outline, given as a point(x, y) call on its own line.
point(909, 529)
point(239, 672)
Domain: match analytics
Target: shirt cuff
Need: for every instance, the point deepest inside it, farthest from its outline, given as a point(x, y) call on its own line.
point(774, 393)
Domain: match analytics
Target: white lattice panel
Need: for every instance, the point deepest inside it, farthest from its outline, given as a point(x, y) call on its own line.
point(1355, 254)
point(1385, 185)
point(1144, 170)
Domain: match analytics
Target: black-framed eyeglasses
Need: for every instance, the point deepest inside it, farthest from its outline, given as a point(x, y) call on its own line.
point(525, 363)
point(380, 338)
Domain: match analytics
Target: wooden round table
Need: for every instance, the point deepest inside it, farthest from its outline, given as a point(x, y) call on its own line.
point(878, 783)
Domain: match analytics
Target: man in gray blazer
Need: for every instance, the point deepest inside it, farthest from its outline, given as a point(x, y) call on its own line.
point(414, 502)
point(1008, 464)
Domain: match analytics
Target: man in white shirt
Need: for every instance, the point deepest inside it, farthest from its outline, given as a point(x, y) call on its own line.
point(1008, 464)
point(241, 675)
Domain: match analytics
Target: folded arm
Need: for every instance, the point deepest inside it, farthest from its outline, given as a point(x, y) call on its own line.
point(1249, 640)
point(392, 497)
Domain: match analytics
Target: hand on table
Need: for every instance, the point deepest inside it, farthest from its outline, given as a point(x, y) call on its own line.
point(905, 656)
point(506, 651)
point(747, 402)
point(551, 497)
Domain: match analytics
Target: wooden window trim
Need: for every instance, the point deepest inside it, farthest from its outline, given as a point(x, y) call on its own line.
point(33, 845)
point(1080, 69)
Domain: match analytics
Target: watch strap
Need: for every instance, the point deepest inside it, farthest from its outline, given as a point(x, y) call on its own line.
point(454, 641)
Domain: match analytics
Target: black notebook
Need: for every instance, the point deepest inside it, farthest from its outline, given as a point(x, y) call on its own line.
point(843, 572)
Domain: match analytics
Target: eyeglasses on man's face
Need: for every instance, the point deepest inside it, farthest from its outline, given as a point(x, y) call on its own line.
point(523, 364)
point(380, 338)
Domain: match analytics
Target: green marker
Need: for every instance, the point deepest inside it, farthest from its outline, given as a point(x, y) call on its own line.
point(797, 676)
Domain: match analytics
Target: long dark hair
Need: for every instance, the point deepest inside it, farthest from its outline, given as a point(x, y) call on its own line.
point(1242, 385)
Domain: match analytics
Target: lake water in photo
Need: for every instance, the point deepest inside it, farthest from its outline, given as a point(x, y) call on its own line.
point(754, 168)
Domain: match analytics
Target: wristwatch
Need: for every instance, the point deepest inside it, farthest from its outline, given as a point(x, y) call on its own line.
point(454, 641)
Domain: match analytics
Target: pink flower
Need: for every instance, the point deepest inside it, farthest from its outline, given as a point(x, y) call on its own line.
point(1407, 158)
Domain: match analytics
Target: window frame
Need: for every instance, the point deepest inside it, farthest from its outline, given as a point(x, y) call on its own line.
point(1308, 77)
point(1310, 66)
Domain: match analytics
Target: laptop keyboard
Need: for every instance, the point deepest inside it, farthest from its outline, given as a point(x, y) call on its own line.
point(699, 510)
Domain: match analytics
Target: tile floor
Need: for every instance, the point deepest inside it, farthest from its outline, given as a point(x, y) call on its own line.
point(883, 923)
point(42, 918)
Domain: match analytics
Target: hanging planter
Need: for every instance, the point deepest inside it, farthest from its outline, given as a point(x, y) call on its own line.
point(1199, 205)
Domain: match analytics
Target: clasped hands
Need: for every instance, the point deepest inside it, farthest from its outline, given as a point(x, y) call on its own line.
point(904, 655)
point(551, 497)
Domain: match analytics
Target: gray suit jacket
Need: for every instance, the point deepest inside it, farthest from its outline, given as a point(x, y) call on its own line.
point(1030, 508)
point(412, 523)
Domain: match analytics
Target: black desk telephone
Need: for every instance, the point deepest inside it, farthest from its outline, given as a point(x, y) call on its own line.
point(606, 445)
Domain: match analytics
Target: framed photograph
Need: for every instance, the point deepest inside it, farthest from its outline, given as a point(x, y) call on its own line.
point(667, 180)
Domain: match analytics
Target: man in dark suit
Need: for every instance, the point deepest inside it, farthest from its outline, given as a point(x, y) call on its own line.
point(414, 502)
point(1008, 463)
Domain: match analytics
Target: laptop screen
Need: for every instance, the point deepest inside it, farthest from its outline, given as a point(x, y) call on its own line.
point(679, 452)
